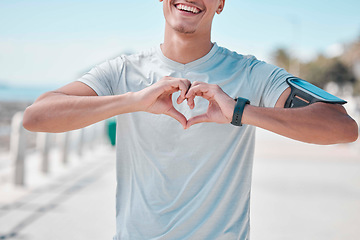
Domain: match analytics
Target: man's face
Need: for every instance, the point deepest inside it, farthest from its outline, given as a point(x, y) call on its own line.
point(190, 16)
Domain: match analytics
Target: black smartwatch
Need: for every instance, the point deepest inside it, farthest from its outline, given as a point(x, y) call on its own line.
point(238, 110)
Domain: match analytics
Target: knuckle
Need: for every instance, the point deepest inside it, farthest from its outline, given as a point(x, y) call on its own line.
point(217, 87)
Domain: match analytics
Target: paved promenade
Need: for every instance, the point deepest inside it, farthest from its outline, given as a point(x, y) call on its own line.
point(300, 191)
point(305, 192)
point(78, 203)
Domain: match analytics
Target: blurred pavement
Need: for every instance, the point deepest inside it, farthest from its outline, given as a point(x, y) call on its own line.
point(303, 191)
point(300, 191)
point(76, 204)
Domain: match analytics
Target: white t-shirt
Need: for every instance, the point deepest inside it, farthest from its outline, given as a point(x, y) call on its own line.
point(185, 184)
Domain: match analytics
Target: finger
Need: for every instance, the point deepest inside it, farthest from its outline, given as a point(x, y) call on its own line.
point(197, 89)
point(191, 102)
point(172, 112)
point(197, 119)
point(195, 83)
point(173, 85)
point(191, 94)
point(184, 86)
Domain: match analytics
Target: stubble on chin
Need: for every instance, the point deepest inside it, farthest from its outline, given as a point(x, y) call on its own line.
point(183, 30)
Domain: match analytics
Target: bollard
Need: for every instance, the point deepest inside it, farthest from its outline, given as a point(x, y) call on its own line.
point(43, 145)
point(65, 147)
point(80, 146)
point(18, 148)
point(103, 133)
point(90, 132)
point(98, 130)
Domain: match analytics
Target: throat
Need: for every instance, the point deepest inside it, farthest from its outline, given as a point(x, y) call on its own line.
point(185, 52)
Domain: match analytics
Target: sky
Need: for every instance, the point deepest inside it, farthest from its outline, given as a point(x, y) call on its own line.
point(52, 43)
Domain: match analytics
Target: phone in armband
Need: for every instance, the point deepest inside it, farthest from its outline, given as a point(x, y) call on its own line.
point(304, 93)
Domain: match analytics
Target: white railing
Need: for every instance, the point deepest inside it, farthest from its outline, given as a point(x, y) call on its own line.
point(67, 143)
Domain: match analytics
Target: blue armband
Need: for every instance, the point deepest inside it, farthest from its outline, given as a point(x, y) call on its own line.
point(304, 93)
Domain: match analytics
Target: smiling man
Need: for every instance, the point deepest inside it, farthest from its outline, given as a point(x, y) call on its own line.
point(190, 180)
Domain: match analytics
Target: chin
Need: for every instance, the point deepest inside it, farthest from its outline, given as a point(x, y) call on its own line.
point(182, 29)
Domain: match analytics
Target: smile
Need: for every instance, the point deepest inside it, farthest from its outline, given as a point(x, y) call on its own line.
point(186, 8)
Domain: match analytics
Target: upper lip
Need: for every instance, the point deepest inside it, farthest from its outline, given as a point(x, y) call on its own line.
point(188, 4)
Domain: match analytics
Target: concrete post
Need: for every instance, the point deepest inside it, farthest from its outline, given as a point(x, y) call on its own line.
point(43, 144)
point(65, 147)
point(89, 134)
point(18, 148)
point(81, 142)
point(104, 132)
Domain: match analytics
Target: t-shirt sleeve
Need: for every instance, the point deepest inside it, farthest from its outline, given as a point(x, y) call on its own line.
point(268, 80)
point(104, 78)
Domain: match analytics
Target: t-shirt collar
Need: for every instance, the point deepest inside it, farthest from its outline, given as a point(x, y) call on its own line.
point(181, 66)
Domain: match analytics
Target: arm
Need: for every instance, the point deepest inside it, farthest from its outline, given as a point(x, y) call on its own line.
point(76, 105)
point(318, 123)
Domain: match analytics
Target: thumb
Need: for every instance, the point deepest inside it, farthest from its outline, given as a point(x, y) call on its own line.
point(197, 119)
point(172, 112)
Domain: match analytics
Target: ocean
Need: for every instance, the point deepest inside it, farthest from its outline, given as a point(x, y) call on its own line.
point(16, 93)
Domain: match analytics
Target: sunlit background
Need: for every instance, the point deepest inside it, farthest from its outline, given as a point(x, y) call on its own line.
point(47, 44)
point(53, 42)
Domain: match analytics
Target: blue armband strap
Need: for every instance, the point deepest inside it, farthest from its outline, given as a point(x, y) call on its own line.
point(304, 93)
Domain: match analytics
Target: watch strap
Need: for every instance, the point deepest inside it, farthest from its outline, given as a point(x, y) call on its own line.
point(239, 110)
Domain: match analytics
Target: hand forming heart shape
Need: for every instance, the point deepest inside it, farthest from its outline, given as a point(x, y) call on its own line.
point(157, 99)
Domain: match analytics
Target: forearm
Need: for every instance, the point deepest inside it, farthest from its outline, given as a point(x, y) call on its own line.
point(318, 123)
point(58, 112)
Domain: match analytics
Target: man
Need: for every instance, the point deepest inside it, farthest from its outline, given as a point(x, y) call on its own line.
point(186, 181)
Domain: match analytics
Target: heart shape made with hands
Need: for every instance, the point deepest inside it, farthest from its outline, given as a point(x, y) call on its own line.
point(158, 100)
point(220, 107)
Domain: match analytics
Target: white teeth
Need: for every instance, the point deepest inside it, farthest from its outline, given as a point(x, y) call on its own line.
point(187, 8)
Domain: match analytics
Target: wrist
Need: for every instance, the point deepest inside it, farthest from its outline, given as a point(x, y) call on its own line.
point(245, 117)
point(230, 110)
point(241, 104)
point(134, 101)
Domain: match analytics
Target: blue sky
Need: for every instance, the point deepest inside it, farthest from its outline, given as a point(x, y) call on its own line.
point(54, 42)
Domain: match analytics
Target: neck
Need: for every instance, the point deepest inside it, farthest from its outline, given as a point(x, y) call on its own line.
point(185, 48)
